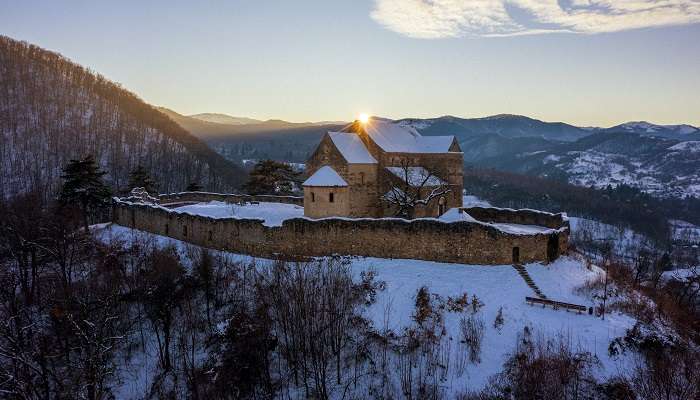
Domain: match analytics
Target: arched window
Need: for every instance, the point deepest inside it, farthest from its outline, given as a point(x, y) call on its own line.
point(330, 197)
point(313, 197)
point(442, 206)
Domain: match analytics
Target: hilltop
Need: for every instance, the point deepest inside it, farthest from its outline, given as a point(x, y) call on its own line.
point(54, 110)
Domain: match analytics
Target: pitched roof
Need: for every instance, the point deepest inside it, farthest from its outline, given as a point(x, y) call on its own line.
point(351, 147)
point(325, 176)
point(416, 176)
point(394, 138)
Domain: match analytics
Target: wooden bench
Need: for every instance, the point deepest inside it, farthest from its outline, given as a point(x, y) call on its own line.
point(556, 304)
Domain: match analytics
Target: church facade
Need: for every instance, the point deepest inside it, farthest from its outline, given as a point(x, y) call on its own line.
point(379, 168)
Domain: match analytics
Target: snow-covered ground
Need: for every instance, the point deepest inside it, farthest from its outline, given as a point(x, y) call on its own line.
point(623, 239)
point(454, 215)
point(495, 286)
point(272, 214)
point(473, 201)
point(685, 231)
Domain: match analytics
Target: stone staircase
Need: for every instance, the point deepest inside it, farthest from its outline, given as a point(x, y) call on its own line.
point(526, 277)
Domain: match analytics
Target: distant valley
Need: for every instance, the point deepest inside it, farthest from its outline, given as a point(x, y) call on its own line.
point(661, 160)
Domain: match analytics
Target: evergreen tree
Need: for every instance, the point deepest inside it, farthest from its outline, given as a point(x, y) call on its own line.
point(272, 177)
point(194, 187)
point(140, 178)
point(84, 187)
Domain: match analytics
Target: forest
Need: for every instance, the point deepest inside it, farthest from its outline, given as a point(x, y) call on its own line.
point(622, 206)
point(93, 317)
point(78, 315)
point(53, 110)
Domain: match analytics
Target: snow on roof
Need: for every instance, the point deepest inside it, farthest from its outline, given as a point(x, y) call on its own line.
point(416, 176)
point(394, 138)
point(351, 147)
point(325, 176)
point(435, 144)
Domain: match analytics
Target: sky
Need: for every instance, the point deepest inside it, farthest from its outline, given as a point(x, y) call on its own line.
point(585, 62)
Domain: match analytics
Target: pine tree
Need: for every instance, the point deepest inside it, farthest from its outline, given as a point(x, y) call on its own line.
point(140, 178)
point(272, 177)
point(84, 187)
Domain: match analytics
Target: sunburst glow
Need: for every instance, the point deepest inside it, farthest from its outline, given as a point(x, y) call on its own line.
point(364, 117)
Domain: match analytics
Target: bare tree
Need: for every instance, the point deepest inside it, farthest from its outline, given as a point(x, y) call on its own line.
point(411, 187)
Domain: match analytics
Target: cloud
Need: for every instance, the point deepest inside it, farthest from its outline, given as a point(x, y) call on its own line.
point(431, 19)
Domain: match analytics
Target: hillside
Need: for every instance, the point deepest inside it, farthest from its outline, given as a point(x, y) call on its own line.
point(656, 165)
point(661, 160)
point(389, 312)
point(274, 139)
point(506, 125)
point(225, 119)
point(53, 110)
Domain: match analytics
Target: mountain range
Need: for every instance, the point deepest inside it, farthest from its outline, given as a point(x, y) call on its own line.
point(53, 110)
point(662, 160)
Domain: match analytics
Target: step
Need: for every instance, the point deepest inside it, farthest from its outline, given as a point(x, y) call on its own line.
point(522, 271)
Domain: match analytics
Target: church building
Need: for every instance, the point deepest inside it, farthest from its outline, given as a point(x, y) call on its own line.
point(378, 168)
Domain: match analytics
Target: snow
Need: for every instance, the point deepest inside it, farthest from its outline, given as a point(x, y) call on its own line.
point(658, 176)
point(552, 158)
point(351, 147)
point(434, 144)
point(454, 215)
point(416, 176)
point(272, 214)
point(640, 125)
point(518, 229)
point(395, 138)
point(682, 274)
point(686, 129)
point(684, 231)
point(682, 129)
point(473, 201)
point(325, 176)
point(691, 146)
point(416, 123)
point(496, 286)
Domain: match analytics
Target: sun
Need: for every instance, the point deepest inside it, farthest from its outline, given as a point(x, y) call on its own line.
point(363, 118)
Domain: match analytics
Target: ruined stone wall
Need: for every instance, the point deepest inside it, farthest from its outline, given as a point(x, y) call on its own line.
point(203, 197)
point(522, 217)
point(423, 239)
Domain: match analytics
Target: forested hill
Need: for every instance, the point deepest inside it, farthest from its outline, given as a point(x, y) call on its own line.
point(53, 110)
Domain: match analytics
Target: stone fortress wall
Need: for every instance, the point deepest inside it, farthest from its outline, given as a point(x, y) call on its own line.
point(466, 242)
point(173, 199)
